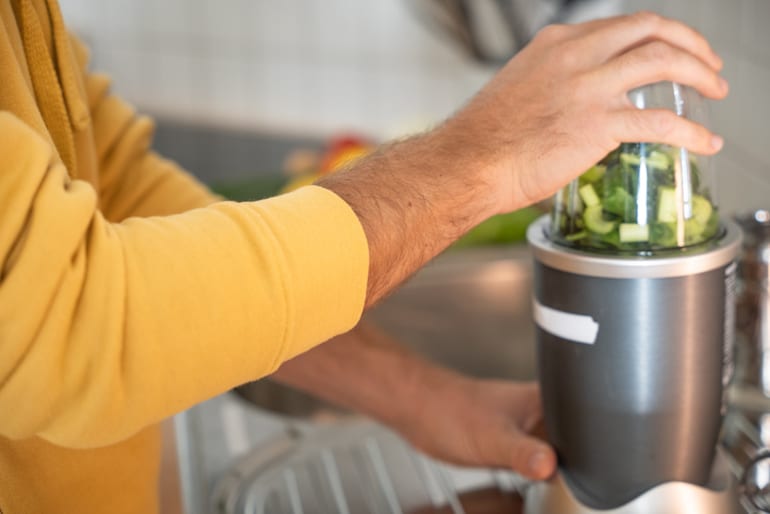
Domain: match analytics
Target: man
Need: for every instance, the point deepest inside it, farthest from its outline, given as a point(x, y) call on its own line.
point(128, 292)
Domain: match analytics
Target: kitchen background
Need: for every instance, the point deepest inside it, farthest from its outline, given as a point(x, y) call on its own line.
point(296, 72)
point(238, 84)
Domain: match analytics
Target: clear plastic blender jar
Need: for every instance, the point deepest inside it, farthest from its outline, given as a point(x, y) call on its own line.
point(642, 198)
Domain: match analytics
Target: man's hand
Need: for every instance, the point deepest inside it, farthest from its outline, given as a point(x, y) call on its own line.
point(483, 423)
point(554, 110)
point(561, 104)
point(450, 416)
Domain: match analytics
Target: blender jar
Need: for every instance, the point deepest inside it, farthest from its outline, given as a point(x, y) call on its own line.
point(633, 301)
point(642, 197)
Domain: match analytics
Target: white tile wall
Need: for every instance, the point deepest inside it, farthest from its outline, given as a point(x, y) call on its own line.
point(738, 31)
point(323, 67)
point(312, 67)
point(755, 36)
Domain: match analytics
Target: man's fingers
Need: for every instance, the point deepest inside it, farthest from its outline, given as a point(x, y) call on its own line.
point(664, 126)
point(604, 39)
point(658, 61)
point(530, 456)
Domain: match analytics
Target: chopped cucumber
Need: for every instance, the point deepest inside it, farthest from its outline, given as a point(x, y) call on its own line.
point(701, 209)
point(594, 173)
point(621, 203)
point(576, 236)
point(656, 159)
point(663, 235)
point(659, 160)
point(667, 203)
point(595, 222)
point(630, 158)
point(634, 233)
point(589, 196)
point(693, 231)
point(630, 201)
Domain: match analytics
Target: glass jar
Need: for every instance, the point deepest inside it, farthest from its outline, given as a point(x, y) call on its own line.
point(643, 197)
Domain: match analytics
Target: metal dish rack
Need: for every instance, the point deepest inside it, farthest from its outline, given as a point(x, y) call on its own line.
point(352, 468)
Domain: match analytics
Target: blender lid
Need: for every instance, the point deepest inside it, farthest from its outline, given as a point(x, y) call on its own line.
point(675, 263)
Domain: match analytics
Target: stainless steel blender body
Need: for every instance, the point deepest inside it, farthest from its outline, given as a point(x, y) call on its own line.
point(633, 355)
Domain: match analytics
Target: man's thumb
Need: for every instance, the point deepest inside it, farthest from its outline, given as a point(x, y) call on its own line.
point(532, 457)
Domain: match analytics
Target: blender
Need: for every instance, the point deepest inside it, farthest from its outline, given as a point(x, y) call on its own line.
point(633, 301)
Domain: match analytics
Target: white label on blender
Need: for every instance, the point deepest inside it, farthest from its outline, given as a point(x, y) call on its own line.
point(574, 327)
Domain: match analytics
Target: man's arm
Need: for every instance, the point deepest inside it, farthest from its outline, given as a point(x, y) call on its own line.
point(451, 416)
point(553, 111)
point(108, 327)
point(133, 180)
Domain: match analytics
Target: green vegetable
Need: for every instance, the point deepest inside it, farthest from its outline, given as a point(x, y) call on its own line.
point(500, 229)
point(576, 236)
point(633, 233)
point(701, 209)
point(594, 173)
point(667, 203)
point(693, 231)
point(595, 221)
point(656, 159)
point(631, 202)
point(589, 196)
point(663, 235)
point(620, 203)
point(250, 189)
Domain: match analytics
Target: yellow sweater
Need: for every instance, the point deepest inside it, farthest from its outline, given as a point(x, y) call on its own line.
point(127, 291)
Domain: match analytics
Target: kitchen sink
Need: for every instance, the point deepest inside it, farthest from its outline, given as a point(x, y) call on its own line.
point(469, 310)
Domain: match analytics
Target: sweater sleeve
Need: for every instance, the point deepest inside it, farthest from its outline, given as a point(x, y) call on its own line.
point(133, 180)
point(108, 327)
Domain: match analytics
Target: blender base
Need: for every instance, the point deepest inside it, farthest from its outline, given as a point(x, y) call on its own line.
point(718, 497)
